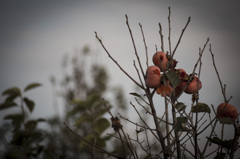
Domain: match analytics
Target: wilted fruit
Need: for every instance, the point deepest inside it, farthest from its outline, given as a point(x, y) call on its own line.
point(225, 110)
point(160, 59)
point(164, 89)
point(153, 77)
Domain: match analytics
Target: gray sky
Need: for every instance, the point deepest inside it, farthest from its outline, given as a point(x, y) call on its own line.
point(35, 36)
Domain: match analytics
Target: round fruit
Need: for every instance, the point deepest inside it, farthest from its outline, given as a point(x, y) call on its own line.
point(225, 110)
point(153, 77)
point(160, 56)
point(193, 86)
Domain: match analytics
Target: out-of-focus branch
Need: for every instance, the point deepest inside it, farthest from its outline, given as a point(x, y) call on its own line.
point(91, 145)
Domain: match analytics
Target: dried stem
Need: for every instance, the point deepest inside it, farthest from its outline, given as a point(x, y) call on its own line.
point(219, 79)
point(134, 64)
point(189, 19)
point(169, 31)
point(109, 55)
point(161, 37)
point(194, 69)
point(205, 147)
point(144, 122)
point(134, 46)
point(145, 45)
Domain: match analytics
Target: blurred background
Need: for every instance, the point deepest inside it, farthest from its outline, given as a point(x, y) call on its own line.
point(37, 35)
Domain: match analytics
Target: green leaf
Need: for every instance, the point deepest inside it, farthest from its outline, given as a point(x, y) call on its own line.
point(31, 125)
point(101, 125)
point(17, 120)
point(29, 103)
point(201, 107)
point(173, 78)
point(89, 138)
point(226, 143)
point(12, 93)
point(41, 120)
point(181, 124)
point(31, 86)
point(7, 104)
point(82, 119)
point(26, 137)
point(180, 106)
point(228, 121)
point(135, 94)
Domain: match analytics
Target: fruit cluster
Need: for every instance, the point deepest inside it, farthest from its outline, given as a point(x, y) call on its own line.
point(163, 63)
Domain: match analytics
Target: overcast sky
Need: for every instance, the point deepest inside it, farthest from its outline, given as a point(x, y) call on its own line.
point(36, 34)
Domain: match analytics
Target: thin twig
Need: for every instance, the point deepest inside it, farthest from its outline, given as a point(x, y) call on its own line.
point(161, 37)
point(144, 121)
point(134, 46)
point(145, 45)
point(189, 19)
point(169, 31)
point(109, 55)
point(194, 69)
point(134, 64)
point(219, 79)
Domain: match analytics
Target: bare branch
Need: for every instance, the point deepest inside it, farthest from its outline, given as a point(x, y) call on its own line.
point(135, 49)
point(161, 37)
point(219, 79)
point(109, 55)
point(144, 41)
point(189, 19)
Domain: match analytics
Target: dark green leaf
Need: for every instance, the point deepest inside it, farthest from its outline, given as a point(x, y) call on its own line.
point(12, 93)
point(181, 123)
point(28, 137)
point(148, 157)
point(7, 104)
point(180, 106)
point(228, 121)
point(15, 152)
point(173, 78)
point(201, 107)
point(220, 155)
point(29, 103)
point(135, 94)
point(226, 143)
point(168, 152)
point(31, 86)
point(101, 125)
point(31, 125)
point(100, 142)
point(17, 120)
